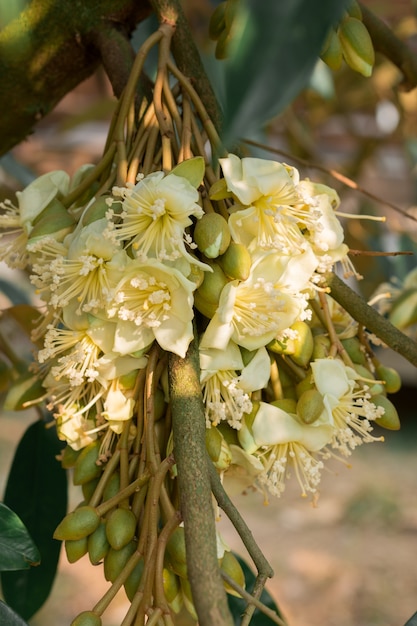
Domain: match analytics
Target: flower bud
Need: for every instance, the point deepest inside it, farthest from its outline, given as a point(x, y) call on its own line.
point(115, 560)
point(96, 211)
point(54, 220)
point(218, 449)
point(236, 261)
point(133, 580)
point(212, 235)
point(300, 348)
point(231, 566)
point(112, 487)
point(78, 524)
point(374, 387)
point(27, 388)
point(219, 191)
point(176, 552)
point(390, 419)
point(75, 549)
point(172, 590)
point(321, 347)
point(87, 618)
point(188, 598)
point(355, 350)
point(89, 488)
point(86, 467)
point(354, 9)
point(357, 47)
point(332, 51)
point(212, 285)
point(310, 406)
point(120, 527)
point(404, 310)
point(217, 22)
point(391, 378)
point(69, 457)
point(98, 545)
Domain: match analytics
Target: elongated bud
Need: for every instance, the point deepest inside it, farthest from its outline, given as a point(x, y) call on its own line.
point(176, 552)
point(310, 406)
point(78, 524)
point(112, 487)
point(231, 566)
point(69, 457)
point(86, 467)
point(355, 350)
point(212, 235)
point(391, 378)
point(115, 560)
point(218, 449)
point(120, 527)
point(75, 549)
point(390, 419)
point(358, 50)
point(98, 545)
point(217, 22)
point(87, 618)
point(133, 580)
point(236, 261)
point(404, 310)
point(321, 347)
point(172, 590)
point(212, 285)
point(332, 53)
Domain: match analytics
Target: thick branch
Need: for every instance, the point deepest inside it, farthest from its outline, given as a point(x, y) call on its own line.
point(189, 430)
point(360, 310)
point(386, 42)
point(48, 49)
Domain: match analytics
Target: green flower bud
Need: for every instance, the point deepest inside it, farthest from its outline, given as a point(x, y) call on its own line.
point(89, 488)
point(218, 190)
point(212, 285)
point(176, 552)
point(332, 51)
point(374, 387)
point(355, 350)
point(236, 261)
point(115, 560)
point(310, 406)
point(120, 527)
point(231, 566)
point(75, 549)
point(300, 348)
point(133, 580)
point(357, 47)
point(391, 378)
point(69, 457)
point(217, 22)
point(321, 347)
point(78, 524)
point(390, 419)
point(112, 487)
point(404, 310)
point(87, 618)
point(212, 235)
point(218, 449)
point(98, 545)
point(172, 590)
point(86, 467)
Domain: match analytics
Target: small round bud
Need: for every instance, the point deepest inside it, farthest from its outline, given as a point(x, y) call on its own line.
point(212, 235)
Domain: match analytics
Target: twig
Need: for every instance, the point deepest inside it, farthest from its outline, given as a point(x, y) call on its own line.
point(360, 310)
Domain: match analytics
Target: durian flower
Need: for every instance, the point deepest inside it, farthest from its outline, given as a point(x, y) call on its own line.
point(348, 406)
point(18, 221)
point(227, 383)
point(282, 443)
point(253, 312)
point(154, 301)
point(155, 215)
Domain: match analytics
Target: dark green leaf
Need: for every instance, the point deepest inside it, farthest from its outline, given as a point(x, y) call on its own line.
point(17, 550)
point(272, 57)
point(9, 618)
point(237, 605)
point(37, 492)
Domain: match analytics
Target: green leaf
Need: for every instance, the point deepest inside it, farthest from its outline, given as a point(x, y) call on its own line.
point(17, 550)
point(237, 605)
point(412, 621)
point(37, 491)
point(9, 618)
point(272, 57)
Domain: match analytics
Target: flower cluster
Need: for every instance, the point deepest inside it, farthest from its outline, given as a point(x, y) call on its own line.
point(136, 266)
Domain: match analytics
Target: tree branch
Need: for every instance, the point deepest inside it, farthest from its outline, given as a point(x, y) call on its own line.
point(47, 50)
point(360, 310)
point(189, 432)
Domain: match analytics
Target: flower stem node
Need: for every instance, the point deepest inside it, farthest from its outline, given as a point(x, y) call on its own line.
point(78, 524)
point(87, 618)
point(212, 235)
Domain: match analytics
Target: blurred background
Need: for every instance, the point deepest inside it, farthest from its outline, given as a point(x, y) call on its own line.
point(351, 559)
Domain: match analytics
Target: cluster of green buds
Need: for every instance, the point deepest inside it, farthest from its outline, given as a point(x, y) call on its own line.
point(222, 26)
point(350, 42)
point(150, 249)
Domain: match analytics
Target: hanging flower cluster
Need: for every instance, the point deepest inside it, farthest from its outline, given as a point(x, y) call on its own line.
point(139, 256)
